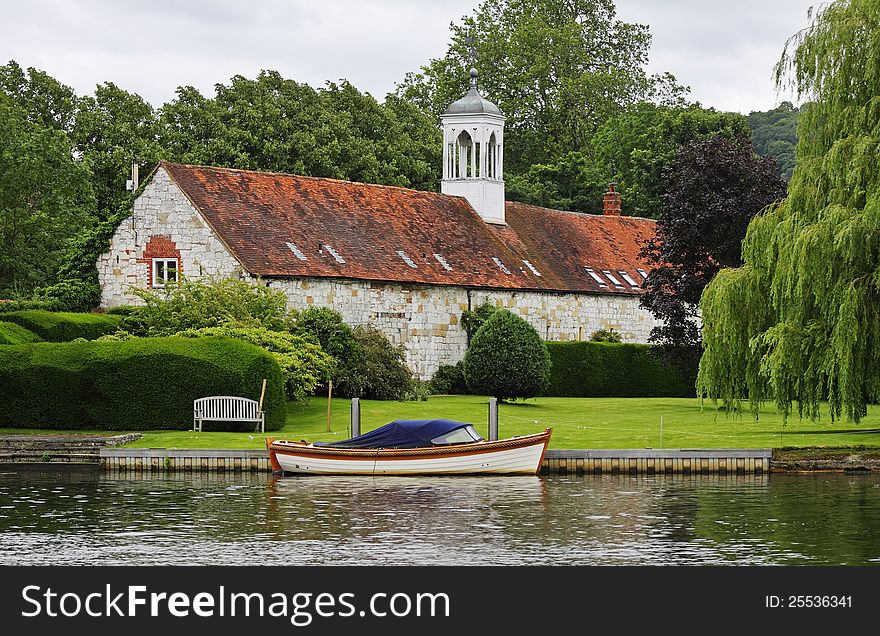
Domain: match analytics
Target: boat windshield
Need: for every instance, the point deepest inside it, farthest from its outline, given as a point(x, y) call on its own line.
point(463, 435)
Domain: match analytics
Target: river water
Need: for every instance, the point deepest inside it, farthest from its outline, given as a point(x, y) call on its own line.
point(75, 516)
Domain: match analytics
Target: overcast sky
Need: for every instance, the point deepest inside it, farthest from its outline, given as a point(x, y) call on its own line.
point(723, 50)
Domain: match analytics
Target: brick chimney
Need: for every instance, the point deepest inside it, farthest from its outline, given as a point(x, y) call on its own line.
point(611, 202)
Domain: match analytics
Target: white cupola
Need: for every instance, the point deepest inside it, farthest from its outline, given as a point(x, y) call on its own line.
point(473, 153)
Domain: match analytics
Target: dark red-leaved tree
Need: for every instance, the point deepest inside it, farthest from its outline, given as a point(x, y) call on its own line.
point(713, 189)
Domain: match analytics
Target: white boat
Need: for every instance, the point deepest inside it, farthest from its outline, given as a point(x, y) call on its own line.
point(413, 447)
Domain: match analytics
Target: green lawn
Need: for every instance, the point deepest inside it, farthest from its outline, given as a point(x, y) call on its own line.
point(577, 423)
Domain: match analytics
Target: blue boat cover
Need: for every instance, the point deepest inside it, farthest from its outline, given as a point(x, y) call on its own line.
point(401, 434)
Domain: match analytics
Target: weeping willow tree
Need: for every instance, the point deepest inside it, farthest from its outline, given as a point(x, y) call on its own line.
point(799, 322)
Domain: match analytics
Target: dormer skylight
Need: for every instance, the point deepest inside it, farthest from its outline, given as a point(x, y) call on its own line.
point(596, 277)
point(610, 277)
point(629, 279)
point(296, 251)
point(643, 273)
point(443, 262)
point(334, 254)
point(531, 267)
point(500, 265)
point(407, 259)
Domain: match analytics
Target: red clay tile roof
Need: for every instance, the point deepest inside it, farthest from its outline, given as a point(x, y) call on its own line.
point(385, 233)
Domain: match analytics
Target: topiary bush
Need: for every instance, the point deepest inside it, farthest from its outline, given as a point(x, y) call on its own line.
point(603, 369)
point(12, 334)
point(136, 384)
point(506, 359)
point(64, 326)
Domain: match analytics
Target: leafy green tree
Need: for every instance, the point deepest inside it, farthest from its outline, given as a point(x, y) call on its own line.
point(574, 182)
point(45, 198)
point(638, 144)
point(632, 148)
point(556, 68)
point(800, 320)
point(46, 102)
point(191, 129)
point(111, 130)
point(714, 188)
point(277, 124)
point(774, 133)
point(507, 359)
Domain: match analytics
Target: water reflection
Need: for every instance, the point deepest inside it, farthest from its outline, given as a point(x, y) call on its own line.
point(82, 517)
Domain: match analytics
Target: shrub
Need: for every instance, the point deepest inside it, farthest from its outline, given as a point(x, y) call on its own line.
point(303, 363)
point(64, 326)
point(196, 304)
point(449, 380)
point(123, 310)
point(507, 358)
point(605, 335)
point(137, 384)
point(74, 294)
point(602, 369)
point(12, 334)
point(336, 338)
point(419, 392)
point(380, 373)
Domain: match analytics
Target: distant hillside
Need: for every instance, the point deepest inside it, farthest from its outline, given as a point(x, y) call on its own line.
point(774, 133)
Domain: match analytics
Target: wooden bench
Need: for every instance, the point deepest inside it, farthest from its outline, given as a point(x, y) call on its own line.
point(224, 408)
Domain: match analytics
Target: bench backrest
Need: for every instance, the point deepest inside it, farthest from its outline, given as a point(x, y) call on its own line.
point(223, 407)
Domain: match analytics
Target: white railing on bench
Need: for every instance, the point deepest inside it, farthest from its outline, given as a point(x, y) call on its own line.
point(224, 408)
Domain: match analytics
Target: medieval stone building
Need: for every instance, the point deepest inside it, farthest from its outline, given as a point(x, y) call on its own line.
point(406, 261)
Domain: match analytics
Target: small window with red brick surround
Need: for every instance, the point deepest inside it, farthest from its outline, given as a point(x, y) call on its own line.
point(164, 271)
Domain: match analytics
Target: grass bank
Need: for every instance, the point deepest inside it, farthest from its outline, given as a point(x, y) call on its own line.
point(576, 422)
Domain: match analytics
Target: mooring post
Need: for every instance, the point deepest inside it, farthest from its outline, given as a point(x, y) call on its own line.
point(493, 419)
point(355, 417)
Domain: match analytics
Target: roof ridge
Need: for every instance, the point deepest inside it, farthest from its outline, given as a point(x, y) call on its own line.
point(581, 214)
point(302, 176)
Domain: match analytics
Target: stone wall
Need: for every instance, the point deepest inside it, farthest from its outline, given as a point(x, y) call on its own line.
point(424, 319)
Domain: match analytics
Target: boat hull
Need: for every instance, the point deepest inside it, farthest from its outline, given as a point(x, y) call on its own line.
point(514, 456)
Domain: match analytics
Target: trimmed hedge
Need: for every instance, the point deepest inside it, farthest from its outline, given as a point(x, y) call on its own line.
point(64, 326)
point(13, 334)
point(7, 306)
point(137, 384)
point(605, 369)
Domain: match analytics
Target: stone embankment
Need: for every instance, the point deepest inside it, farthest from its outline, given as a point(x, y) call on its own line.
point(59, 449)
point(850, 459)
